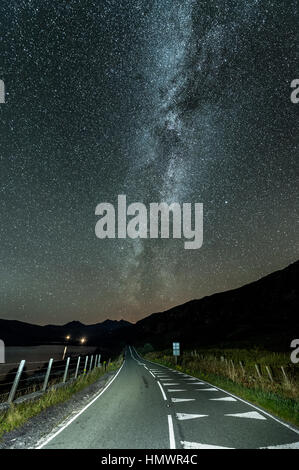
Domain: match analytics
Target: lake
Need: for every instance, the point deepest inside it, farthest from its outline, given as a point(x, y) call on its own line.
point(14, 354)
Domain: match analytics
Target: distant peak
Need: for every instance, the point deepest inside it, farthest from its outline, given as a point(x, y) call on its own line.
point(74, 323)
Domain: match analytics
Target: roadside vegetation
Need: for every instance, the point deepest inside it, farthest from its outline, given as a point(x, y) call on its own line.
point(264, 378)
point(19, 413)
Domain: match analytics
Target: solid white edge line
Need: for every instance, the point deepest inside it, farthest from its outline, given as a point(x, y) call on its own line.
point(163, 393)
point(171, 433)
point(237, 397)
point(80, 412)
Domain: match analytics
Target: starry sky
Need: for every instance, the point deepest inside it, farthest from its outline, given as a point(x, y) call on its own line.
point(174, 101)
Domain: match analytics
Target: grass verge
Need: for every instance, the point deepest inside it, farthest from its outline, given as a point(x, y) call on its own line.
point(18, 414)
point(277, 400)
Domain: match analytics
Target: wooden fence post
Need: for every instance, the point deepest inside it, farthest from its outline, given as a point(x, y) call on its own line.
point(269, 372)
point(257, 367)
point(284, 374)
point(242, 367)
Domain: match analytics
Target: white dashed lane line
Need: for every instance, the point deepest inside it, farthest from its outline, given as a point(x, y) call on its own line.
point(207, 389)
point(180, 400)
point(223, 399)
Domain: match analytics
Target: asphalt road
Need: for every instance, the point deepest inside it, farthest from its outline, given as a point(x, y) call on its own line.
point(147, 406)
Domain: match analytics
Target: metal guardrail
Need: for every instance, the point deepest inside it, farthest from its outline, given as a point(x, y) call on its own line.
point(41, 375)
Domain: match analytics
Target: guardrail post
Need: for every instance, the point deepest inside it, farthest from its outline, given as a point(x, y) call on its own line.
point(77, 367)
point(47, 375)
point(16, 381)
point(85, 365)
point(91, 360)
point(66, 369)
point(99, 361)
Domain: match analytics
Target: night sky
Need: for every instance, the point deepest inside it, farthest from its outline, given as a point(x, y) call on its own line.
point(160, 100)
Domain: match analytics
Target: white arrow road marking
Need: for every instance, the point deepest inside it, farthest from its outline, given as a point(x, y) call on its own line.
point(198, 445)
point(223, 399)
point(208, 389)
point(183, 416)
point(293, 445)
point(178, 400)
point(250, 414)
point(176, 390)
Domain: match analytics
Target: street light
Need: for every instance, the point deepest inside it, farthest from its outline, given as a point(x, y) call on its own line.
point(83, 340)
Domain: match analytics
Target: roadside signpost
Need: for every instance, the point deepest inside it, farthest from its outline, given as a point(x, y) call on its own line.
point(2, 352)
point(176, 351)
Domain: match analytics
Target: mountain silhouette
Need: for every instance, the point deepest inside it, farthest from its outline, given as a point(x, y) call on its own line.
point(263, 313)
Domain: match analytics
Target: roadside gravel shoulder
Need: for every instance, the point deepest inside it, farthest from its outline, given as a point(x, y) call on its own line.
point(27, 435)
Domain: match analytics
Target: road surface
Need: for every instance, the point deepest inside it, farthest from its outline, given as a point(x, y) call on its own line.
point(147, 406)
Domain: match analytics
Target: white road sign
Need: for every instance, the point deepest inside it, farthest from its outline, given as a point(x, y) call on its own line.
point(176, 349)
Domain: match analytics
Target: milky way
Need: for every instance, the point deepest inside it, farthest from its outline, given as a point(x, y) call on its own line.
point(175, 101)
